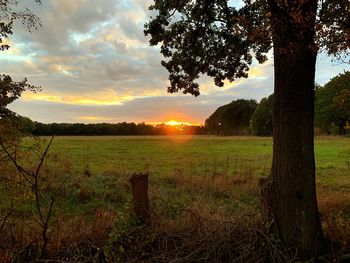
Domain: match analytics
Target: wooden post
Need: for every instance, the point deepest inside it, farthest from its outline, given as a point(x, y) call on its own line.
point(139, 186)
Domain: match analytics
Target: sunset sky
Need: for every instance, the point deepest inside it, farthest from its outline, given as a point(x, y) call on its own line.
point(94, 64)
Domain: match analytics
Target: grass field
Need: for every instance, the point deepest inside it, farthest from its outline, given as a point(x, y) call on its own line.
point(100, 166)
point(217, 173)
point(161, 154)
point(215, 177)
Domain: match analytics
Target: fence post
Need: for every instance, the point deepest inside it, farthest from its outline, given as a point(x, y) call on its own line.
point(139, 187)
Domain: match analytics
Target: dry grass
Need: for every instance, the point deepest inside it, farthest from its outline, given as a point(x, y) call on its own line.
point(197, 234)
point(335, 215)
point(67, 233)
point(71, 231)
point(195, 238)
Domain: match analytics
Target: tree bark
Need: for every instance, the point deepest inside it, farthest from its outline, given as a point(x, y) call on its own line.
point(291, 185)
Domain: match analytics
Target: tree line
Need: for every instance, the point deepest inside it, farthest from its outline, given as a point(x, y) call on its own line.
point(242, 117)
point(27, 126)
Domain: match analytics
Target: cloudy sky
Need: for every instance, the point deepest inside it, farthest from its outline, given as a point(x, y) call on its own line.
point(95, 65)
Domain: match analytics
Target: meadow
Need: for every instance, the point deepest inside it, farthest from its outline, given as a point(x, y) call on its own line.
point(170, 159)
point(191, 178)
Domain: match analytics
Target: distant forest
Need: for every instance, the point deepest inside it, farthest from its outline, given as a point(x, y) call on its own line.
point(123, 128)
point(240, 117)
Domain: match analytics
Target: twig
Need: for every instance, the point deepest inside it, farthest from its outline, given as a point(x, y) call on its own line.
point(4, 220)
point(45, 228)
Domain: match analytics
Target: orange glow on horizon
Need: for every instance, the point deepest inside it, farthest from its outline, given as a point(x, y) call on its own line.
point(174, 123)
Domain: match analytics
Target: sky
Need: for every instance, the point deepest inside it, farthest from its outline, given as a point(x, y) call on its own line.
point(94, 65)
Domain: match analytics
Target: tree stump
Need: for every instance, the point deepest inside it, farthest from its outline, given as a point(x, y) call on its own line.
point(139, 187)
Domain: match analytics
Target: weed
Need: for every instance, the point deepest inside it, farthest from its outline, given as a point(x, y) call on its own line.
point(87, 171)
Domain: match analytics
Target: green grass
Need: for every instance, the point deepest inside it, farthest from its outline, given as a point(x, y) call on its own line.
point(163, 154)
point(171, 160)
point(148, 150)
point(160, 155)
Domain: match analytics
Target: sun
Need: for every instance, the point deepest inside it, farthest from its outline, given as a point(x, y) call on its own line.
point(178, 123)
point(174, 123)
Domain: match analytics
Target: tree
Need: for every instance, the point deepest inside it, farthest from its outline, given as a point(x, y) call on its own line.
point(219, 38)
point(11, 90)
point(9, 12)
point(231, 119)
point(332, 104)
point(11, 125)
point(261, 120)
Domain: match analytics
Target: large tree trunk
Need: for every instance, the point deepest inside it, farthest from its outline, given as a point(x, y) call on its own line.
point(292, 188)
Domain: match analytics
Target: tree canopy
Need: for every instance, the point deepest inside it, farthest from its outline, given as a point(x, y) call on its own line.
point(221, 38)
point(11, 11)
point(332, 104)
point(231, 119)
point(10, 90)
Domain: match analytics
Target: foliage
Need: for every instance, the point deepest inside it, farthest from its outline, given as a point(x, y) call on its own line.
point(20, 182)
point(10, 91)
point(11, 125)
point(332, 108)
point(332, 105)
point(212, 37)
point(220, 38)
point(261, 121)
point(333, 28)
point(231, 119)
point(12, 10)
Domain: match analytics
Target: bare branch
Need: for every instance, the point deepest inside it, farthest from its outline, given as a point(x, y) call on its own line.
point(20, 169)
point(43, 157)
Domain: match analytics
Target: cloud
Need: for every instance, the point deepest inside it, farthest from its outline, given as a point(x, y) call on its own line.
point(91, 119)
point(95, 64)
point(100, 97)
point(146, 109)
